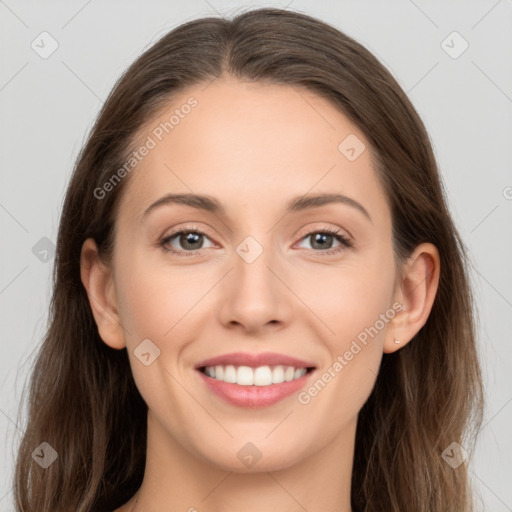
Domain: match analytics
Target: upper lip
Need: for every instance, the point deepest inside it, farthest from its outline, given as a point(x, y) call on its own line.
point(255, 360)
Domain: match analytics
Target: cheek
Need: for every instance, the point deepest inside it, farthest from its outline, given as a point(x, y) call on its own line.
point(152, 297)
point(351, 297)
point(140, 305)
point(357, 307)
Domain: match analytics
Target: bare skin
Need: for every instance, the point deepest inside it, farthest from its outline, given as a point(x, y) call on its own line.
point(254, 147)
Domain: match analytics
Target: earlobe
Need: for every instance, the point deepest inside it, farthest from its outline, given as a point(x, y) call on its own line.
point(99, 284)
point(416, 293)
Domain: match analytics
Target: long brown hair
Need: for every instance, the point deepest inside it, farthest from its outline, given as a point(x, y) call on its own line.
point(83, 400)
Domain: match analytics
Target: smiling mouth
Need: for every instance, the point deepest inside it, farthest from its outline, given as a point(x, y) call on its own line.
point(259, 376)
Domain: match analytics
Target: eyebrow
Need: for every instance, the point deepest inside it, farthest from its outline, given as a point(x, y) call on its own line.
point(210, 204)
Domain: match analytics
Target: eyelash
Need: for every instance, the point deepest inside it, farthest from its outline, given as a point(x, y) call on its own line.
point(344, 241)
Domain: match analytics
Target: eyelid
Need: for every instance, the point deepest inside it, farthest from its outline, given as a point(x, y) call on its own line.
point(193, 228)
point(319, 227)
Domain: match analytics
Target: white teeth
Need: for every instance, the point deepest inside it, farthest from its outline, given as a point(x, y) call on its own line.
point(289, 373)
point(278, 375)
point(229, 374)
point(244, 376)
point(260, 376)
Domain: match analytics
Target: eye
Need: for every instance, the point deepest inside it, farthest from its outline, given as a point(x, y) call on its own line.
point(190, 241)
point(323, 239)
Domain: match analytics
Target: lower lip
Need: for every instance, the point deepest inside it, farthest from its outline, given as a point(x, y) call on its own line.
point(254, 396)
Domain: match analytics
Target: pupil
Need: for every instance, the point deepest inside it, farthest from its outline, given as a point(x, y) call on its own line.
point(320, 237)
point(190, 239)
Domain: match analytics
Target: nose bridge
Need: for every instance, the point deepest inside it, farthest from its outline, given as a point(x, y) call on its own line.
point(253, 262)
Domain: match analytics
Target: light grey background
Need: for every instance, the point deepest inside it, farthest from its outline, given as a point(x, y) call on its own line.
point(48, 106)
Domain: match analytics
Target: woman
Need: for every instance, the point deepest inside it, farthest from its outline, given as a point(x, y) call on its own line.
point(259, 373)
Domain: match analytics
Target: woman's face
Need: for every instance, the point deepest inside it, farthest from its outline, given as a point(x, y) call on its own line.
point(255, 275)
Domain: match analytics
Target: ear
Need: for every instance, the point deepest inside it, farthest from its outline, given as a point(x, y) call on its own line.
point(98, 281)
point(416, 292)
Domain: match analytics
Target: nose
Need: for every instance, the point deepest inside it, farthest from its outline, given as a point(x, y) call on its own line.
point(254, 295)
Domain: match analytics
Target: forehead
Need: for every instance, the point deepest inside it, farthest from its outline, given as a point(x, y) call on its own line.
point(252, 145)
